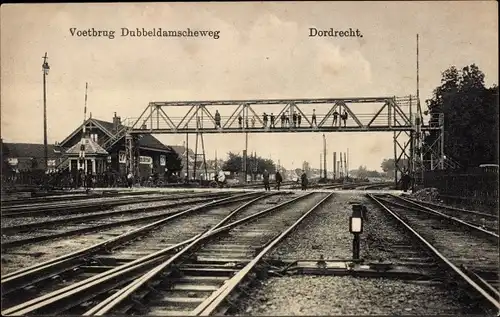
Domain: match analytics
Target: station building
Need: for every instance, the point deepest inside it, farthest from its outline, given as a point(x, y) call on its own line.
point(104, 149)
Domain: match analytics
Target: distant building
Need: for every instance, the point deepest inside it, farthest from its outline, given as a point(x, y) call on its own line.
point(30, 156)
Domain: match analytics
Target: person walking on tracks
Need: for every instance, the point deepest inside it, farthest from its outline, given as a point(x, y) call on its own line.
point(303, 180)
point(279, 179)
point(405, 182)
point(265, 177)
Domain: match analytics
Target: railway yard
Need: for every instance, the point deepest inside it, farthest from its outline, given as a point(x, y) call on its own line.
point(359, 249)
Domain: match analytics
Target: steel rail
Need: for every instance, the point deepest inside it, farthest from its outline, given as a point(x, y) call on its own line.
point(101, 193)
point(98, 283)
point(21, 211)
point(438, 254)
point(464, 223)
point(436, 213)
point(472, 212)
point(18, 278)
point(212, 303)
point(114, 300)
point(95, 215)
point(15, 243)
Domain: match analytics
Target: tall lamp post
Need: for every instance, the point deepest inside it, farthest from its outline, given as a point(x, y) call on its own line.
point(45, 69)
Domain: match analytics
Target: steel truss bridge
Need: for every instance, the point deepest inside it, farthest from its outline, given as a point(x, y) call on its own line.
point(402, 116)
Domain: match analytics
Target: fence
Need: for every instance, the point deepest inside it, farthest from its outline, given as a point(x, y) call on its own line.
point(38, 179)
point(476, 185)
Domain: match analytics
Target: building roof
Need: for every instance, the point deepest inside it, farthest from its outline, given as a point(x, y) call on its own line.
point(30, 150)
point(91, 148)
point(149, 141)
point(181, 150)
point(145, 140)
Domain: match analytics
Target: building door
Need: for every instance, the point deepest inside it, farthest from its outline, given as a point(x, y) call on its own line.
point(74, 165)
point(89, 166)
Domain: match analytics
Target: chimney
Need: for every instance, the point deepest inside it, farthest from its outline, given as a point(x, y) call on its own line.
point(116, 123)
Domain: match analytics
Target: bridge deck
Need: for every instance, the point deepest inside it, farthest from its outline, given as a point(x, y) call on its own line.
point(281, 130)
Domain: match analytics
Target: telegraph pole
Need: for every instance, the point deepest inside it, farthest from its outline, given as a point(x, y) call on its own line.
point(347, 162)
point(341, 166)
point(45, 68)
point(345, 166)
point(334, 165)
point(320, 164)
point(324, 157)
point(245, 156)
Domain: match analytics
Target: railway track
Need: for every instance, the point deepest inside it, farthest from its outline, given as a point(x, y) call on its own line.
point(482, 219)
point(360, 186)
point(195, 279)
point(37, 231)
point(453, 244)
point(67, 270)
point(67, 207)
point(74, 196)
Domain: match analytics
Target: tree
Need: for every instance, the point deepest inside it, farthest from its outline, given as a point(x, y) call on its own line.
point(389, 167)
point(362, 172)
point(234, 164)
point(470, 116)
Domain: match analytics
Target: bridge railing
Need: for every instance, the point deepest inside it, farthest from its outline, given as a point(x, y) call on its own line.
point(206, 122)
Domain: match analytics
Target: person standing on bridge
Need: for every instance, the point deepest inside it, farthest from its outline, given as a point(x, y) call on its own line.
point(294, 118)
point(299, 119)
point(335, 118)
point(265, 178)
point(287, 119)
point(303, 180)
point(253, 122)
point(264, 118)
point(272, 121)
point(279, 179)
point(217, 119)
point(240, 120)
point(344, 117)
point(283, 120)
point(313, 119)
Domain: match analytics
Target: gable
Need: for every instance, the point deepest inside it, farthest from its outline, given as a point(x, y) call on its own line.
point(99, 126)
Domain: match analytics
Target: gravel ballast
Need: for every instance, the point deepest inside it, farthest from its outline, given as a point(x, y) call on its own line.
point(326, 233)
point(328, 295)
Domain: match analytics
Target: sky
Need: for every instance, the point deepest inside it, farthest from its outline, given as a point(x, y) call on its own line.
point(263, 52)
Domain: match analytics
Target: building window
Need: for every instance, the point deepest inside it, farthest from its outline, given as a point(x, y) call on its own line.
point(93, 137)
